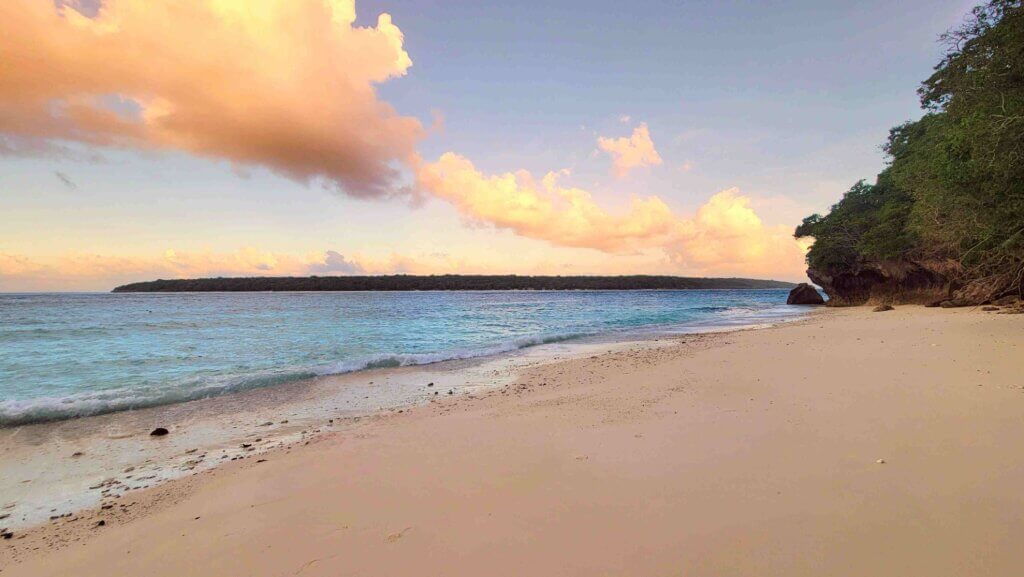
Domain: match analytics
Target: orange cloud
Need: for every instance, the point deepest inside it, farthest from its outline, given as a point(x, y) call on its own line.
point(285, 84)
point(726, 237)
point(291, 85)
point(545, 210)
point(725, 234)
point(634, 151)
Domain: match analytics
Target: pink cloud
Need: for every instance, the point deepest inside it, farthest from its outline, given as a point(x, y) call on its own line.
point(283, 84)
point(631, 152)
point(83, 271)
point(291, 85)
point(725, 234)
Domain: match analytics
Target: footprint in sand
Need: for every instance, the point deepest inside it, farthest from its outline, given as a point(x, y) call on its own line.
point(394, 537)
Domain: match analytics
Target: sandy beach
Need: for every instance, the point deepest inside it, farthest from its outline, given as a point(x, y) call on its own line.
point(849, 443)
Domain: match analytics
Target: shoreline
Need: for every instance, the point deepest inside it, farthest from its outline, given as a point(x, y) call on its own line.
point(56, 469)
point(71, 524)
point(73, 403)
point(583, 448)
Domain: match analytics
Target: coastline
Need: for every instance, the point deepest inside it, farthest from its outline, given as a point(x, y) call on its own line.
point(220, 343)
point(733, 453)
point(55, 469)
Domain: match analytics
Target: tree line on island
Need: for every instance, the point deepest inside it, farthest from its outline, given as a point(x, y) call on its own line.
point(944, 221)
point(403, 282)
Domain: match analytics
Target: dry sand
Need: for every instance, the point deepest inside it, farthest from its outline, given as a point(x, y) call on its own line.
point(745, 453)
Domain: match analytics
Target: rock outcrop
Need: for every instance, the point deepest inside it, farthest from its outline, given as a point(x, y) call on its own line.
point(934, 284)
point(883, 282)
point(804, 294)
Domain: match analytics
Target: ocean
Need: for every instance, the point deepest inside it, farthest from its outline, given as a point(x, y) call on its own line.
point(71, 355)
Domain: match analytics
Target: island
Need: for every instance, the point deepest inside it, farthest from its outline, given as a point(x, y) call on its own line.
point(448, 282)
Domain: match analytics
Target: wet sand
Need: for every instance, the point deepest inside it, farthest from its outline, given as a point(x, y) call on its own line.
point(852, 443)
point(55, 469)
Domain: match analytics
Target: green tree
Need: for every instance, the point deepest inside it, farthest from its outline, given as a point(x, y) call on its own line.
point(953, 190)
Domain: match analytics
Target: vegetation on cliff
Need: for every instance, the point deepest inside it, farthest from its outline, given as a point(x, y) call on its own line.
point(949, 207)
point(448, 282)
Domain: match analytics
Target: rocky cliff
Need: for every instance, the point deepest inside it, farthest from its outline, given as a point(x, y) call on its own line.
point(909, 282)
point(882, 282)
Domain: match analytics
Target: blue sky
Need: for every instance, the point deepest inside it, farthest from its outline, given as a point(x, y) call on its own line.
point(786, 101)
point(783, 97)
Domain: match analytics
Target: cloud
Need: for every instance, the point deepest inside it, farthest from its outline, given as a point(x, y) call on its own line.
point(84, 271)
point(544, 209)
point(65, 179)
point(725, 235)
point(336, 263)
point(90, 271)
point(634, 151)
point(625, 118)
point(290, 85)
point(282, 84)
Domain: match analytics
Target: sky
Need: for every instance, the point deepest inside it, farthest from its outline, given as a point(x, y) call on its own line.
point(144, 139)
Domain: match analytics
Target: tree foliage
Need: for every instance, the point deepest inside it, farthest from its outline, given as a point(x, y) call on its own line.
point(953, 189)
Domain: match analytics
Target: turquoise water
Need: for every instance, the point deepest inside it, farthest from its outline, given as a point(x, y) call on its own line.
point(68, 355)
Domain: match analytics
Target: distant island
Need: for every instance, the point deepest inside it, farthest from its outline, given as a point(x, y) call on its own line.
point(448, 282)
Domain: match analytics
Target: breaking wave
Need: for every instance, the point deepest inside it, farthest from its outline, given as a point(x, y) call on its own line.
point(89, 403)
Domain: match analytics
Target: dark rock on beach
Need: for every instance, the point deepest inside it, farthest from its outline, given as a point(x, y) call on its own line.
point(883, 308)
point(158, 432)
point(804, 294)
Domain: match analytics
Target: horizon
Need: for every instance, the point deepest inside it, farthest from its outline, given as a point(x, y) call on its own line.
point(151, 281)
point(343, 138)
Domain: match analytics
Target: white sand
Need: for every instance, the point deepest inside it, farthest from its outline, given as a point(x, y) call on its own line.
point(748, 453)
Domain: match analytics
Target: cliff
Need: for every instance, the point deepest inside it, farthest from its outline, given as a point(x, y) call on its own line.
point(882, 282)
point(933, 283)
